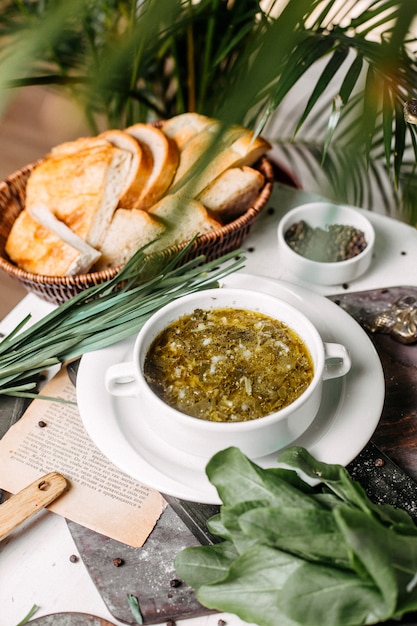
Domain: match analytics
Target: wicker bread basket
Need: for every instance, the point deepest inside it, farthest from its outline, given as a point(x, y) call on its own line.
point(58, 289)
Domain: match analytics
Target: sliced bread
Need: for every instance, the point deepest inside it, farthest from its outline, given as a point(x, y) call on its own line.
point(130, 229)
point(209, 154)
point(38, 249)
point(165, 161)
point(140, 169)
point(183, 218)
point(82, 143)
point(181, 128)
point(81, 188)
point(232, 193)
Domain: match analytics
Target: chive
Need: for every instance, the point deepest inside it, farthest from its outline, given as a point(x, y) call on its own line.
point(133, 603)
point(31, 613)
point(105, 314)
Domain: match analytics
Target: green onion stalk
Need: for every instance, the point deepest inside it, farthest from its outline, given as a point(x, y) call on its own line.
point(104, 314)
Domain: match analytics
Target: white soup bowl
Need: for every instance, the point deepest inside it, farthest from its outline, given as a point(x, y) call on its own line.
point(204, 438)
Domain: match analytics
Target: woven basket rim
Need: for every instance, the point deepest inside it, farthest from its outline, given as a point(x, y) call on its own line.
point(214, 236)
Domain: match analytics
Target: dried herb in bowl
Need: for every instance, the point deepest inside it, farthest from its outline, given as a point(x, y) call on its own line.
point(338, 242)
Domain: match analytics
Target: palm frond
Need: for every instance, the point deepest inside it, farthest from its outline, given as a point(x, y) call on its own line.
point(127, 61)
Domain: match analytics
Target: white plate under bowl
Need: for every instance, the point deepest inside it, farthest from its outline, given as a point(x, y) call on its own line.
point(348, 415)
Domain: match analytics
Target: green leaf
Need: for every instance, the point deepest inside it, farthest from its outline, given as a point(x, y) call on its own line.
point(252, 587)
point(203, 565)
point(399, 147)
point(309, 533)
point(387, 119)
point(351, 79)
point(298, 557)
point(332, 125)
point(333, 65)
point(336, 478)
point(389, 559)
point(370, 108)
point(237, 479)
point(314, 595)
point(231, 517)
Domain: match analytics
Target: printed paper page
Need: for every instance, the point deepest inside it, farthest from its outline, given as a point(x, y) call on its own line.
point(50, 437)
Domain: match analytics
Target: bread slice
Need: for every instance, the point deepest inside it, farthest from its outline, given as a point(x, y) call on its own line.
point(183, 218)
point(76, 145)
point(235, 147)
point(165, 161)
point(232, 193)
point(130, 229)
point(81, 188)
point(140, 169)
point(181, 128)
point(212, 138)
point(38, 249)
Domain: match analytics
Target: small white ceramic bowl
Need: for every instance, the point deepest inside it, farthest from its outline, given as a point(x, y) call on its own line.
point(204, 438)
point(321, 215)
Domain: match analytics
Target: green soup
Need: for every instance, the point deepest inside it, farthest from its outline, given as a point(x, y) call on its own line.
point(228, 365)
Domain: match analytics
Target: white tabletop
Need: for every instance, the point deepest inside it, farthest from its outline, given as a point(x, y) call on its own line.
point(34, 560)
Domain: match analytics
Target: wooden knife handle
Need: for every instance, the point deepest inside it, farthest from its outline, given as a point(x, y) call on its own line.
point(29, 500)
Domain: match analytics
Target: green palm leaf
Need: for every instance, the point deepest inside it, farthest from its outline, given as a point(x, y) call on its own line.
point(238, 61)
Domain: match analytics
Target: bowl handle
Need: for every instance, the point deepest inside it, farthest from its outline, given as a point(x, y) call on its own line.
point(337, 360)
point(120, 380)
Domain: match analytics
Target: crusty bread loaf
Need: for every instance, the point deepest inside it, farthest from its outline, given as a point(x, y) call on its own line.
point(81, 188)
point(181, 128)
point(183, 218)
point(165, 161)
point(232, 193)
point(40, 250)
point(130, 229)
point(140, 169)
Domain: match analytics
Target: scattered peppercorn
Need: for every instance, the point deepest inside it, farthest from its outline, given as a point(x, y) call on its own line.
point(338, 242)
point(175, 582)
point(379, 462)
point(345, 285)
point(118, 562)
point(251, 249)
point(41, 424)
point(73, 558)
point(221, 622)
point(403, 253)
point(271, 210)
